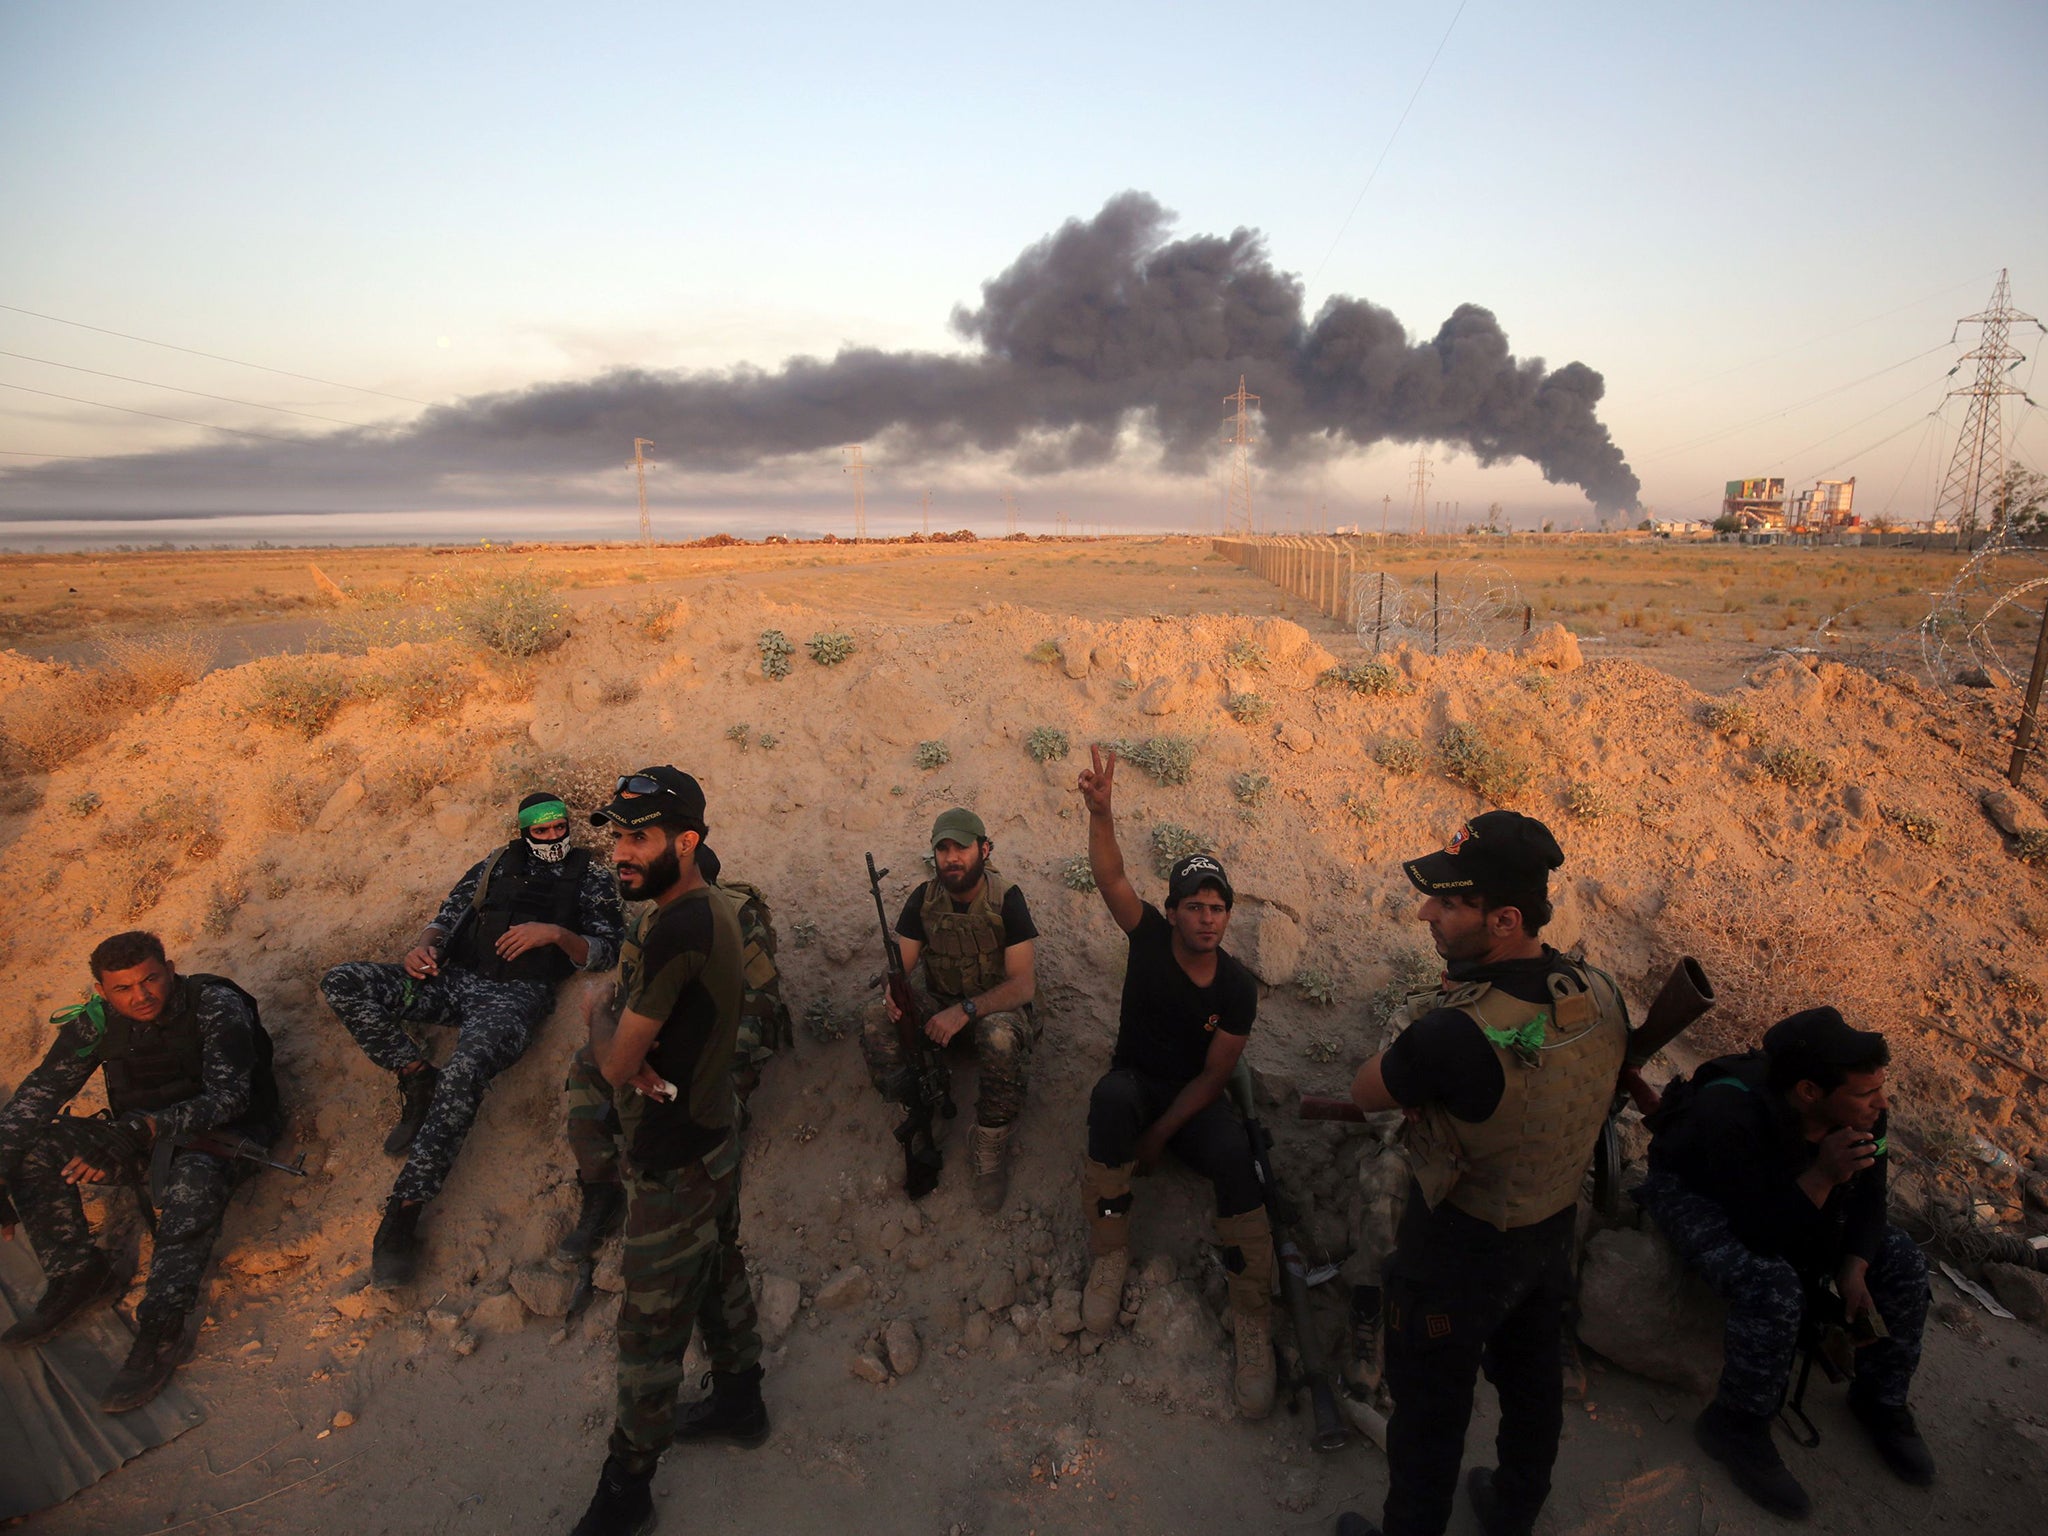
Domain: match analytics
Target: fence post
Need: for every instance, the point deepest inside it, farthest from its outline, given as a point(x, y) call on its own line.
point(1436, 610)
point(2023, 733)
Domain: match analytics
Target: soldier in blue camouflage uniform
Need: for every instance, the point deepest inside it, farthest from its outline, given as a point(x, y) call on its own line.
point(515, 926)
point(1767, 1173)
point(593, 1126)
point(666, 1047)
point(181, 1055)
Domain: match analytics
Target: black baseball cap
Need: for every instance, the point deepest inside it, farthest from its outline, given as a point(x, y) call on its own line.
point(1190, 874)
point(661, 794)
point(1494, 853)
point(1823, 1037)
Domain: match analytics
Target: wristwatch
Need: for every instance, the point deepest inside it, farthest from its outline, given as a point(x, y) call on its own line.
point(970, 1010)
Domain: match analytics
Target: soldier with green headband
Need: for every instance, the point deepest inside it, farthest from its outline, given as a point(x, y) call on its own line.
point(516, 925)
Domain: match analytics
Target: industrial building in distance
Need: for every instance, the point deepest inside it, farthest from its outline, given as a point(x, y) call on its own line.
point(1759, 507)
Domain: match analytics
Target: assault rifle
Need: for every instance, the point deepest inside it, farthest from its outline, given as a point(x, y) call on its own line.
point(220, 1144)
point(1329, 1433)
point(925, 1088)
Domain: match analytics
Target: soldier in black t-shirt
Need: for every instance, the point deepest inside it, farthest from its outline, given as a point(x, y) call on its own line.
point(1187, 1009)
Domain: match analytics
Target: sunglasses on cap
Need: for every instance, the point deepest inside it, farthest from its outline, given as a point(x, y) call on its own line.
point(641, 784)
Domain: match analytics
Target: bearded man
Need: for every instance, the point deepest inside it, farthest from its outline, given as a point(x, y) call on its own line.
point(968, 945)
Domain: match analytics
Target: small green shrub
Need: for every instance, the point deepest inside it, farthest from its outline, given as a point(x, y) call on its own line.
point(1490, 768)
point(1585, 802)
point(2032, 847)
point(825, 1022)
point(740, 734)
point(1730, 717)
point(767, 741)
point(1247, 653)
point(1248, 708)
point(511, 612)
point(299, 694)
point(1077, 874)
point(85, 804)
point(1539, 683)
point(775, 653)
point(933, 754)
point(1169, 759)
point(1045, 653)
point(1318, 986)
point(1410, 970)
point(657, 618)
point(804, 934)
point(1047, 744)
point(1323, 1050)
point(1171, 843)
point(1399, 755)
point(1795, 767)
point(1916, 825)
point(829, 648)
point(1252, 788)
point(1368, 677)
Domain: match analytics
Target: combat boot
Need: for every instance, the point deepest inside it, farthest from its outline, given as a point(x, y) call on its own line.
point(1494, 1518)
point(415, 1095)
point(988, 1152)
point(1362, 1372)
point(604, 1205)
point(395, 1254)
point(1108, 1192)
point(623, 1504)
point(1741, 1442)
point(1248, 1259)
point(64, 1298)
point(1896, 1437)
point(158, 1351)
point(734, 1410)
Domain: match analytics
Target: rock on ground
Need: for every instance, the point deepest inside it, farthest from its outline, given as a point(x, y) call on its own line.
point(544, 1288)
point(849, 1288)
point(1641, 1309)
point(502, 1313)
point(1174, 1321)
point(900, 1342)
point(2024, 1292)
point(777, 1308)
point(1549, 645)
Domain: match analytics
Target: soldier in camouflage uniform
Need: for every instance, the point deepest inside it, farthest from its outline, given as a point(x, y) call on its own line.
point(181, 1055)
point(593, 1121)
point(515, 926)
point(973, 932)
point(1767, 1173)
point(666, 1047)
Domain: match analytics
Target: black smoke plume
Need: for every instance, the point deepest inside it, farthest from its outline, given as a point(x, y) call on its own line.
point(1104, 325)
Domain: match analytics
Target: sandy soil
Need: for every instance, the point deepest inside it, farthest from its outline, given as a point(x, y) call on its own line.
point(287, 853)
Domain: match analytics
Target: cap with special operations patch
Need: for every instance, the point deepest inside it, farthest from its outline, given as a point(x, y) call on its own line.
point(658, 794)
point(1190, 874)
point(1497, 851)
point(958, 825)
point(1823, 1035)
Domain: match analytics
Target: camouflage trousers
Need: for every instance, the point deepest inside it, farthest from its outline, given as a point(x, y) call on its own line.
point(1002, 1044)
point(493, 1022)
point(1766, 1300)
point(1375, 1216)
point(195, 1198)
point(683, 1269)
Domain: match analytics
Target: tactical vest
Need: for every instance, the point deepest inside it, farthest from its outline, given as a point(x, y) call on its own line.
point(963, 951)
point(153, 1066)
point(764, 1017)
point(516, 888)
point(1526, 1162)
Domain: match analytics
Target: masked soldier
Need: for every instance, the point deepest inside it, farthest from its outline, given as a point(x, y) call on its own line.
point(181, 1056)
point(972, 931)
point(665, 1045)
point(1506, 1078)
point(517, 925)
point(593, 1121)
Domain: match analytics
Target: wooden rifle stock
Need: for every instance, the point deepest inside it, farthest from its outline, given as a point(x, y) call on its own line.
point(1686, 995)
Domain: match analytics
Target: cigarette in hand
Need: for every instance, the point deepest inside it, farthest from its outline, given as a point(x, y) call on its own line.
point(661, 1088)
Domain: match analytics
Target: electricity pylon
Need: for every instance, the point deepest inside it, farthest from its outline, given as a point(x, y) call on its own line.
point(640, 474)
point(1976, 473)
point(1419, 507)
point(1237, 494)
point(856, 468)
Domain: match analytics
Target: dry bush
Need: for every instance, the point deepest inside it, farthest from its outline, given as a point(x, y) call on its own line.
point(152, 668)
point(298, 693)
point(2032, 847)
point(419, 686)
point(409, 776)
point(618, 690)
point(1585, 801)
point(1248, 708)
point(290, 802)
point(1730, 717)
point(1367, 677)
point(1495, 769)
point(1399, 755)
point(1795, 767)
point(657, 617)
point(52, 720)
point(1252, 788)
point(222, 903)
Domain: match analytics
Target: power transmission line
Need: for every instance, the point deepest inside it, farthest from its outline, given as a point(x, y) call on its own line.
point(181, 389)
point(172, 346)
point(155, 415)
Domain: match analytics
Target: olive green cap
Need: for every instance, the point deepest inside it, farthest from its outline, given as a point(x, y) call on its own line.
point(959, 825)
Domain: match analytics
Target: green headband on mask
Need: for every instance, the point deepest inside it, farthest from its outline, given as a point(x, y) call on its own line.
point(547, 810)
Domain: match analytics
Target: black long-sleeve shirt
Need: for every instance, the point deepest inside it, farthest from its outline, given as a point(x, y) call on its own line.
point(227, 1062)
point(1741, 1146)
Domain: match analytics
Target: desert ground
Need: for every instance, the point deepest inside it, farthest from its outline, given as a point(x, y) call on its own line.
point(278, 769)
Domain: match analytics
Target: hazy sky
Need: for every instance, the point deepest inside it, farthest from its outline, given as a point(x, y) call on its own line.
point(1738, 215)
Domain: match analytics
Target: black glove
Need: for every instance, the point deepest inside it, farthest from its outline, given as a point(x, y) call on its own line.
point(136, 1128)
